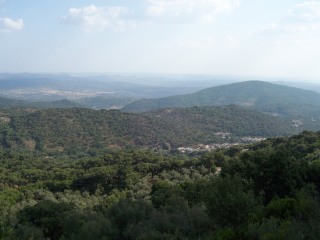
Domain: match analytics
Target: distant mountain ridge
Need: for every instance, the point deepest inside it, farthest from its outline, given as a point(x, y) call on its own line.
point(255, 94)
point(49, 87)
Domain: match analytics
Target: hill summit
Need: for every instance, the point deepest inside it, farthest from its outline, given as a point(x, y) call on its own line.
point(256, 94)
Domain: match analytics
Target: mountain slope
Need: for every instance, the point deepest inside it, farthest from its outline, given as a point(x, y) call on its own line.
point(83, 129)
point(8, 103)
point(255, 94)
point(11, 103)
point(105, 102)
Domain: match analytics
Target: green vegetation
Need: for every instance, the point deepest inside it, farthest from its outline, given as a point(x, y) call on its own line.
point(76, 129)
point(259, 95)
point(84, 174)
point(7, 103)
point(268, 190)
point(106, 102)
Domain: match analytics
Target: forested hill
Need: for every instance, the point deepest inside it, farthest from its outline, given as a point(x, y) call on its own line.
point(83, 129)
point(6, 103)
point(256, 94)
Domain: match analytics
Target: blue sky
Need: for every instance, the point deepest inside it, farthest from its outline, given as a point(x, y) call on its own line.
point(254, 38)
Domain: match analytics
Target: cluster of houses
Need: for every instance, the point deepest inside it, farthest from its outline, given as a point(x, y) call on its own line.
point(216, 146)
point(297, 123)
point(206, 148)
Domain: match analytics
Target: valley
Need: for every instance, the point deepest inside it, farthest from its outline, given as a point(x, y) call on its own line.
point(222, 163)
point(243, 110)
point(159, 120)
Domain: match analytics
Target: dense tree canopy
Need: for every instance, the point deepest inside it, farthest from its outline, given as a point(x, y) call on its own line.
point(90, 131)
point(268, 190)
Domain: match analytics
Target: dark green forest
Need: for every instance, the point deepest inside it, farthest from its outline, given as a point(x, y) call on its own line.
point(268, 190)
point(79, 129)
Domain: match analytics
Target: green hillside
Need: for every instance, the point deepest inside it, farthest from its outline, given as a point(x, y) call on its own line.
point(77, 129)
point(9, 103)
point(237, 120)
point(255, 94)
point(6, 103)
point(106, 102)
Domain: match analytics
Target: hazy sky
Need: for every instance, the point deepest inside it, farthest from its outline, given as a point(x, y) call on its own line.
point(263, 38)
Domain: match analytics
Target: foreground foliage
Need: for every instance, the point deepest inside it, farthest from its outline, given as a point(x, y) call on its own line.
point(265, 191)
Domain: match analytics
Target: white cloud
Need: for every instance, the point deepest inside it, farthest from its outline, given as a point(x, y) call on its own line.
point(309, 10)
point(302, 18)
point(8, 24)
point(293, 28)
point(203, 10)
point(99, 18)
